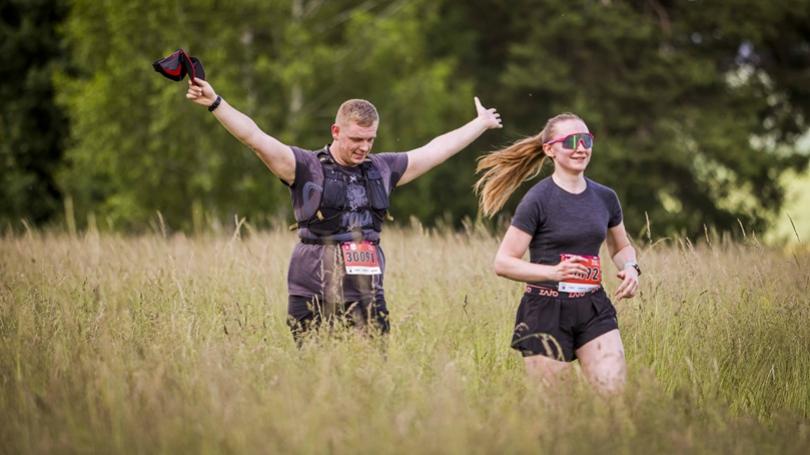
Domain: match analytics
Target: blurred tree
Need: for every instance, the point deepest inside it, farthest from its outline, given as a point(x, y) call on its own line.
point(140, 147)
point(696, 105)
point(32, 127)
point(696, 110)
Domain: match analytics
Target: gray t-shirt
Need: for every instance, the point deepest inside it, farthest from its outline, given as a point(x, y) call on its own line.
point(315, 270)
point(561, 222)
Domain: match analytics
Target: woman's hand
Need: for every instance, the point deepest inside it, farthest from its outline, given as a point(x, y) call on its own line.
point(629, 286)
point(570, 268)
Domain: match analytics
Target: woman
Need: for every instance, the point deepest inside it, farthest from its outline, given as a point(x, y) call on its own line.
point(564, 314)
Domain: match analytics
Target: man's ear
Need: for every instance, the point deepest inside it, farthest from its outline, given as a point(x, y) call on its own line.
point(335, 131)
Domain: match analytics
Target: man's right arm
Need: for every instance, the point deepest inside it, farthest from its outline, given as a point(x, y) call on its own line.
point(277, 156)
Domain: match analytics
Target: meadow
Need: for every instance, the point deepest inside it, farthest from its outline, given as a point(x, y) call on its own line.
point(173, 344)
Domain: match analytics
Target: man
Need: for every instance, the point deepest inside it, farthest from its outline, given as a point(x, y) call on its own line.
point(340, 198)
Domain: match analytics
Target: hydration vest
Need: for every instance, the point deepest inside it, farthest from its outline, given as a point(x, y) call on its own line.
point(332, 202)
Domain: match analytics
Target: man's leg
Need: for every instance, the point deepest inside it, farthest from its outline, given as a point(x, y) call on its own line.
point(303, 314)
point(370, 314)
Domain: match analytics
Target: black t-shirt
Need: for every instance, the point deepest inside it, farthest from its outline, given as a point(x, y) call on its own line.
point(562, 222)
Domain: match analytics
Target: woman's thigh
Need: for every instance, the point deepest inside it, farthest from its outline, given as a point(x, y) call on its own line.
point(545, 368)
point(602, 361)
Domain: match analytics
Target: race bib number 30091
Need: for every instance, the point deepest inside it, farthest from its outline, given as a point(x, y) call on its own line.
point(583, 283)
point(360, 258)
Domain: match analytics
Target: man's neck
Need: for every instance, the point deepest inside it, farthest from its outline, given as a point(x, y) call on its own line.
point(336, 158)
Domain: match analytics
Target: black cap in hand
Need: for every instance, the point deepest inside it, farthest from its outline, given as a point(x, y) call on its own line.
point(178, 64)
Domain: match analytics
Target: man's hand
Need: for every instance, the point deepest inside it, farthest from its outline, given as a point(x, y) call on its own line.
point(629, 286)
point(430, 155)
point(490, 117)
point(201, 92)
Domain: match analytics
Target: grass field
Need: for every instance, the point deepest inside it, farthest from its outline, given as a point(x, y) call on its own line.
point(113, 344)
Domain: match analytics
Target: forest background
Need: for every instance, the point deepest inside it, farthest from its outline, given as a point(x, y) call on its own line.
point(700, 108)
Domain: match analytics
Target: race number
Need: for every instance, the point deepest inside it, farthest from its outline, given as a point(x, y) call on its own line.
point(360, 258)
point(584, 282)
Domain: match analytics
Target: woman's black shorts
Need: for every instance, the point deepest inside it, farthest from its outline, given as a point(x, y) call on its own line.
point(556, 324)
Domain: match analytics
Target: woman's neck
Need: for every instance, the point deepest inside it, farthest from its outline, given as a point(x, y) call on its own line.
point(573, 183)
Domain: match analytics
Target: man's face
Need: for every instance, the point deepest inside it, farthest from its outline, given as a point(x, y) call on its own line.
point(351, 143)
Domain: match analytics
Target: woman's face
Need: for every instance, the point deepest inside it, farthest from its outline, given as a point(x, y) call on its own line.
point(571, 160)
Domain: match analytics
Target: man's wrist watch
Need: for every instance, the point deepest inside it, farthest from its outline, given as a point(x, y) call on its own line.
point(634, 265)
point(215, 104)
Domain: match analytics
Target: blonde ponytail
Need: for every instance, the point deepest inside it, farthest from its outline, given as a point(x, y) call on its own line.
point(505, 169)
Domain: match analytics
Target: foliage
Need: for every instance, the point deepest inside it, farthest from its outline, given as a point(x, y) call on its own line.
point(32, 127)
point(697, 106)
point(141, 147)
point(695, 109)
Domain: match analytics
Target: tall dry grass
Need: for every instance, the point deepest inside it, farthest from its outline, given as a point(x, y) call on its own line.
point(113, 344)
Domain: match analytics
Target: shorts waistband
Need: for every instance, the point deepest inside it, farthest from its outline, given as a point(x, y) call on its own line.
point(331, 242)
point(546, 291)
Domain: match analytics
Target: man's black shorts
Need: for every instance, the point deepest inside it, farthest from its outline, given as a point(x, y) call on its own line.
point(556, 324)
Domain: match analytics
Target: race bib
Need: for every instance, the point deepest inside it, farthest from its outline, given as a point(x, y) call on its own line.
point(360, 258)
point(583, 283)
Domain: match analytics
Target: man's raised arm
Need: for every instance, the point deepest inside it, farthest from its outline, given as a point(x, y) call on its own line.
point(277, 156)
point(441, 148)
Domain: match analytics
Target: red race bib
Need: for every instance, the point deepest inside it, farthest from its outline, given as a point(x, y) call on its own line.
point(360, 258)
point(583, 283)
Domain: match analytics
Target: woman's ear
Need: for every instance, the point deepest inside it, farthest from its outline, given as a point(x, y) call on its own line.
point(547, 149)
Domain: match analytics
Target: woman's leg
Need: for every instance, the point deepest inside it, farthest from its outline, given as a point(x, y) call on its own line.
point(602, 361)
point(545, 369)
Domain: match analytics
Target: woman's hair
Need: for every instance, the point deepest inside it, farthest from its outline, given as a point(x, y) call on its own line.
point(505, 169)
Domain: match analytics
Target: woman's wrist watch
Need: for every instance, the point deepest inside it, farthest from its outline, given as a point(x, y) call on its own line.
point(634, 265)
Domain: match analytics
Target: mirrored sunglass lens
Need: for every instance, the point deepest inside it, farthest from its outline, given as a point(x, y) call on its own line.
point(570, 142)
point(587, 140)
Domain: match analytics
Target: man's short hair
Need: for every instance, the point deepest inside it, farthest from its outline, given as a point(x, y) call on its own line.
point(358, 111)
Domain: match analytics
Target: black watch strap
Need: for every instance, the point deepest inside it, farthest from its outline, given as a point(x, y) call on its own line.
point(215, 104)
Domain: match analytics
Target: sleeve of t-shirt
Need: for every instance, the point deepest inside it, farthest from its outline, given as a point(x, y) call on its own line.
point(529, 214)
point(615, 208)
point(302, 160)
point(398, 163)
